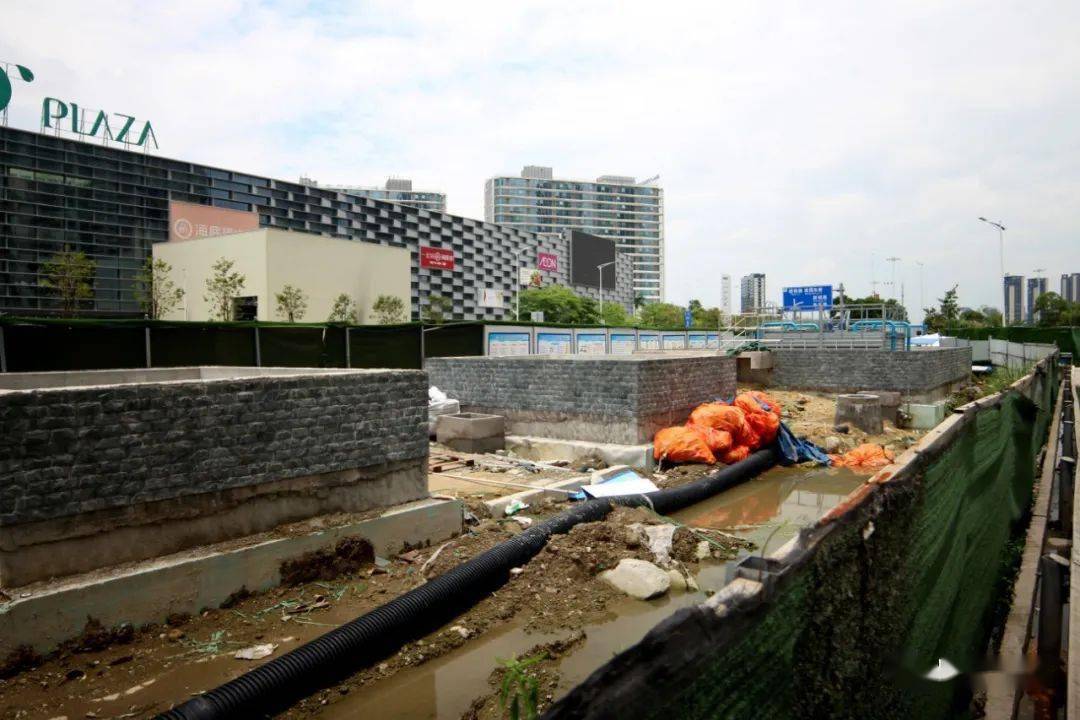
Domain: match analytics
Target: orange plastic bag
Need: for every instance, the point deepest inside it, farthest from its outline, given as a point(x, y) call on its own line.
point(752, 400)
point(735, 454)
point(718, 440)
point(682, 444)
point(866, 455)
point(722, 417)
point(765, 425)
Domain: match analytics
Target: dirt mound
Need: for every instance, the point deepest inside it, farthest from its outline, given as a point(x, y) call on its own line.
point(350, 555)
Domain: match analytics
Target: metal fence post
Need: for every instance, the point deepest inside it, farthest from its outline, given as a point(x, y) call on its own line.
point(146, 335)
point(3, 351)
point(258, 349)
point(422, 346)
point(348, 348)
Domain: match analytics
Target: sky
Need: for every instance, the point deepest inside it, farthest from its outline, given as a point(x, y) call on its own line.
point(808, 141)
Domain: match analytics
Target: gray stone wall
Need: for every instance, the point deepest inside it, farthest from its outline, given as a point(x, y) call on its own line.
point(67, 451)
point(619, 399)
point(912, 372)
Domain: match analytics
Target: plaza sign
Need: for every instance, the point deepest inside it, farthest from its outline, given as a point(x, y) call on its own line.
point(102, 125)
point(69, 117)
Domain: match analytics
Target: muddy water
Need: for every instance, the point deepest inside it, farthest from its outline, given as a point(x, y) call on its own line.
point(770, 508)
point(445, 687)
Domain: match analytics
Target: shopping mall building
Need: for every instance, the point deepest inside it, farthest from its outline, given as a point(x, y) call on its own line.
point(114, 204)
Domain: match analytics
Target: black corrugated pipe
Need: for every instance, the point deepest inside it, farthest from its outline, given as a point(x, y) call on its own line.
point(373, 636)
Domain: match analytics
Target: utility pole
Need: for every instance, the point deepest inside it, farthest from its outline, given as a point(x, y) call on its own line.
point(922, 298)
point(893, 260)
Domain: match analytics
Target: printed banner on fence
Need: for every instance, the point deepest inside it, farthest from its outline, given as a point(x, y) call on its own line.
point(552, 343)
point(591, 344)
point(508, 343)
point(623, 343)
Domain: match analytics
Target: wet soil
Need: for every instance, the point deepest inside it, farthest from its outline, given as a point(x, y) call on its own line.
point(156, 667)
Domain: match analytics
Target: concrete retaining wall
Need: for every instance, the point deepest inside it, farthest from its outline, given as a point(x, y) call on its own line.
point(917, 372)
point(133, 470)
point(610, 399)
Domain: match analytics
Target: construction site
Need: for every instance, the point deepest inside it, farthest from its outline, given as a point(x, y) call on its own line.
point(775, 522)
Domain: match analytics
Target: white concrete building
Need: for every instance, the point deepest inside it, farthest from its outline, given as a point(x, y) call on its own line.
point(322, 267)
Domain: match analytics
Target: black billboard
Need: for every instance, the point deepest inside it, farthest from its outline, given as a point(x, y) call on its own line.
point(586, 253)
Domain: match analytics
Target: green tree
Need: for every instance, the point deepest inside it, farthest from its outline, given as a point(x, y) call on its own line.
point(702, 317)
point(662, 316)
point(222, 286)
point(639, 302)
point(291, 303)
point(343, 311)
point(1051, 309)
point(559, 304)
point(945, 316)
point(388, 309)
point(615, 315)
point(70, 275)
point(438, 308)
point(155, 291)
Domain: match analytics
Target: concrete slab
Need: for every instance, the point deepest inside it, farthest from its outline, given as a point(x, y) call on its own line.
point(46, 614)
point(498, 505)
point(541, 448)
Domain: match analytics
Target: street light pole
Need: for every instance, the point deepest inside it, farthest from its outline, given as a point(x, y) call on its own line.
point(517, 286)
point(600, 269)
point(1001, 257)
point(922, 298)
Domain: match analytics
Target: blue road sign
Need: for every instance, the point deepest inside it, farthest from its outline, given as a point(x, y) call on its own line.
point(688, 318)
point(808, 297)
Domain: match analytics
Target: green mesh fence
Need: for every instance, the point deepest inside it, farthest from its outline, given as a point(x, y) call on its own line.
point(1066, 338)
point(911, 574)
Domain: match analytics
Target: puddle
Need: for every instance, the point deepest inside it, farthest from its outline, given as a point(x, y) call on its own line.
point(444, 688)
point(773, 506)
point(441, 688)
point(769, 510)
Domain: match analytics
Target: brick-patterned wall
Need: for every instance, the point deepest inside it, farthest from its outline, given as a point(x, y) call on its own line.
point(912, 372)
point(67, 451)
point(634, 389)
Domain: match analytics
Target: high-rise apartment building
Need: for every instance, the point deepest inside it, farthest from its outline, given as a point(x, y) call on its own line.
point(1070, 286)
point(752, 290)
point(725, 296)
point(399, 190)
point(1014, 299)
point(1035, 288)
point(613, 206)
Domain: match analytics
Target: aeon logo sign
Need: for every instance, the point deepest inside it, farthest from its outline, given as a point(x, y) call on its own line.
point(5, 83)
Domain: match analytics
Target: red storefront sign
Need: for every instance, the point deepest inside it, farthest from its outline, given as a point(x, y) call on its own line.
point(547, 262)
point(436, 258)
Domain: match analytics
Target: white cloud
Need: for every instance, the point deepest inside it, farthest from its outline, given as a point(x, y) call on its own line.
point(807, 142)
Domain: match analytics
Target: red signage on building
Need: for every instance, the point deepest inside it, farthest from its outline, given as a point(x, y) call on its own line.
point(548, 262)
point(436, 258)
